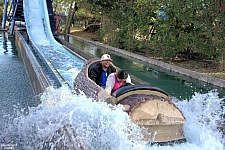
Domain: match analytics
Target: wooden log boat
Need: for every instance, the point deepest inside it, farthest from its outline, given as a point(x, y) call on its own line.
point(148, 106)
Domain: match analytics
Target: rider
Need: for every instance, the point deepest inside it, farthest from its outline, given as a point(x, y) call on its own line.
point(98, 72)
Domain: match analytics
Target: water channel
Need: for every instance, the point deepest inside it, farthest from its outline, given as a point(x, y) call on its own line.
point(15, 87)
point(179, 86)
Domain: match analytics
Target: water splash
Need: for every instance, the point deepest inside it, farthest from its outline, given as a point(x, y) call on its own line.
point(204, 115)
point(64, 120)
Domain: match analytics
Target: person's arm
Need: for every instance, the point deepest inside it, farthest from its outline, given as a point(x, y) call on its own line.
point(93, 75)
point(110, 83)
point(128, 80)
point(94, 72)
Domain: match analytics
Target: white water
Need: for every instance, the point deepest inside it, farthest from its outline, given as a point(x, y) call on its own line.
point(96, 125)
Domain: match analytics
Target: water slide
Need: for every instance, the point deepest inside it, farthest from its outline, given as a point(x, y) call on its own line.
point(62, 61)
point(37, 23)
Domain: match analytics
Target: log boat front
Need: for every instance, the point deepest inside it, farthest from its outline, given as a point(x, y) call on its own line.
point(148, 107)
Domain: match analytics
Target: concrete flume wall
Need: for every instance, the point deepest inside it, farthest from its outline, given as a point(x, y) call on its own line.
point(37, 77)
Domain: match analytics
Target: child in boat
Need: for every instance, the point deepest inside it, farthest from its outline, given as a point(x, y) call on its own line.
point(116, 80)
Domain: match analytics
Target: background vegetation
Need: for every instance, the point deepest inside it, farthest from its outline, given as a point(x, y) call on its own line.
point(1, 10)
point(170, 29)
point(167, 29)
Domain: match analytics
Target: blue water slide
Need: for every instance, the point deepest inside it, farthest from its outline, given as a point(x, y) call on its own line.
point(37, 22)
point(61, 60)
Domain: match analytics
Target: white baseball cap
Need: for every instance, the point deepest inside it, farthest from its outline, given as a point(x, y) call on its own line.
point(106, 57)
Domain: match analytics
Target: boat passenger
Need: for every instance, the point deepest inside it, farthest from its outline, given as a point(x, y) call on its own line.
point(116, 80)
point(98, 72)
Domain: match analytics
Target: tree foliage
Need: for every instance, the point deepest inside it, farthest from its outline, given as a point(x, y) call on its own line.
point(192, 26)
point(168, 28)
point(102, 3)
point(164, 28)
point(1, 10)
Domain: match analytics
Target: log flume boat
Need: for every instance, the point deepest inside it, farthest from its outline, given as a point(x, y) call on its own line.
point(148, 107)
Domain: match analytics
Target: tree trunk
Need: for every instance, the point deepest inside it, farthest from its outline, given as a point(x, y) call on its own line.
point(72, 10)
point(67, 20)
point(188, 54)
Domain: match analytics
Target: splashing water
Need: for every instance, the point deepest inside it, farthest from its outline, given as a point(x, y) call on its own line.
point(68, 121)
point(204, 115)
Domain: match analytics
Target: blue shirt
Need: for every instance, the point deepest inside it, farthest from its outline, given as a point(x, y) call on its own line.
point(103, 79)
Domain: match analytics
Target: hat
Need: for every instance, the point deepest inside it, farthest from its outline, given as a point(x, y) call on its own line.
point(106, 57)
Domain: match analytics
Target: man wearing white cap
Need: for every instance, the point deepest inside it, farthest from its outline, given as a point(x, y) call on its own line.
point(99, 72)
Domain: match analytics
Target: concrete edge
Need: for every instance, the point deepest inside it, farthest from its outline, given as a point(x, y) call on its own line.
point(38, 79)
point(195, 75)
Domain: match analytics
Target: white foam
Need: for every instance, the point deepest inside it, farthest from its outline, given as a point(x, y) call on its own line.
point(101, 126)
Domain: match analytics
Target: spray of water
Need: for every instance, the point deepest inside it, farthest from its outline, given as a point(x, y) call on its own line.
point(69, 121)
point(205, 119)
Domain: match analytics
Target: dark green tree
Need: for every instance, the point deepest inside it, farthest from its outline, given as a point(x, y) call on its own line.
point(165, 28)
point(1, 10)
point(191, 27)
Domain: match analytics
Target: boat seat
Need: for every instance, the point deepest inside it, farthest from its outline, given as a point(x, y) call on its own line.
point(130, 88)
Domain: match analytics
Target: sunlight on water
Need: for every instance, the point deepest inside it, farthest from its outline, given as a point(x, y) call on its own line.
point(68, 120)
